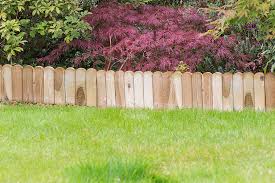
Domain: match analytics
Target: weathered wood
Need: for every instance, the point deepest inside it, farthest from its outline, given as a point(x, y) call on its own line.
point(120, 90)
point(80, 87)
point(227, 91)
point(157, 90)
point(187, 93)
point(110, 89)
point(28, 84)
point(101, 89)
point(165, 88)
point(207, 96)
point(38, 85)
point(270, 91)
point(48, 85)
point(7, 82)
point(259, 89)
point(1, 83)
point(148, 90)
point(91, 87)
point(248, 83)
point(238, 91)
point(129, 89)
point(70, 86)
point(197, 90)
point(175, 97)
point(17, 83)
point(59, 86)
point(139, 89)
point(217, 91)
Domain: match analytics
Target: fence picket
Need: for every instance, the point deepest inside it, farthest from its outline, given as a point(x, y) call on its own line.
point(175, 96)
point(227, 92)
point(38, 85)
point(207, 91)
point(157, 90)
point(259, 90)
point(270, 91)
point(120, 90)
point(101, 89)
point(110, 89)
point(7, 82)
point(49, 85)
point(129, 89)
point(59, 86)
point(187, 99)
point(138, 90)
point(197, 90)
point(165, 88)
point(70, 86)
point(1, 83)
point(17, 83)
point(28, 84)
point(238, 91)
point(249, 97)
point(148, 90)
point(91, 87)
point(80, 85)
point(217, 91)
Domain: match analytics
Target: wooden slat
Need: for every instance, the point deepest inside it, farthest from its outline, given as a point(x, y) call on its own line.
point(101, 89)
point(165, 88)
point(110, 89)
point(7, 82)
point(148, 90)
point(259, 90)
point(28, 84)
point(227, 91)
point(59, 86)
point(48, 85)
point(217, 91)
point(91, 87)
point(138, 89)
point(157, 90)
point(270, 91)
point(187, 93)
point(17, 83)
point(248, 83)
point(120, 90)
point(207, 95)
point(70, 86)
point(129, 89)
point(238, 91)
point(1, 83)
point(197, 90)
point(38, 85)
point(175, 97)
point(80, 87)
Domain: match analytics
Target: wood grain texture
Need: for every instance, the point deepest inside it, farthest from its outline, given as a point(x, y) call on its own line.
point(120, 90)
point(238, 91)
point(270, 91)
point(129, 89)
point(48, 85)
point(175, 96)
point(80, 87)
point(187, 93)
point(1, 83)
point(157, 90)
point(7, 83)
point(101, 89)
point(110, 89)
point(148, 90)
point(38, 85)
point(17, 83)
point(197, 90)
point(59, 86)
point(207, 95)
point(28, 84)
point(227, 92)
point(259, 90)
point(91, 88)
point(166, 88)
point(217, 91)
point(70, 94)
point(248, 83)
point(139, 89)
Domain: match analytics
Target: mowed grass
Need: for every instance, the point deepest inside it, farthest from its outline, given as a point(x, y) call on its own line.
point(79, 144)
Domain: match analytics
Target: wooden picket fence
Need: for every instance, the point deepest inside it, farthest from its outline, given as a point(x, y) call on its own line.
point(137, 89)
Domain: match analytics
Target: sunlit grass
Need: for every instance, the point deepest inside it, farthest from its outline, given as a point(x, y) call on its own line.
point(78, 144)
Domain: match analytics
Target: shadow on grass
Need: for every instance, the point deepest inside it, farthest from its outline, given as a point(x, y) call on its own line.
point(115, 171)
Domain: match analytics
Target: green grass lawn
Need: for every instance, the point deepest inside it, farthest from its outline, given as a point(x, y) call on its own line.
point(79, 144)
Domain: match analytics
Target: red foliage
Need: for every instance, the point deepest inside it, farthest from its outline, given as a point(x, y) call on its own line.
point(150, 38)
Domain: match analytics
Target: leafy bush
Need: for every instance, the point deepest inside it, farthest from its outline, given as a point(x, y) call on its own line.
point(38, 24)
point(150, 38)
